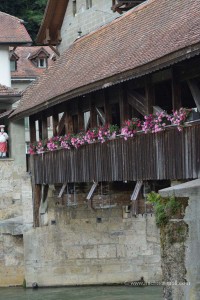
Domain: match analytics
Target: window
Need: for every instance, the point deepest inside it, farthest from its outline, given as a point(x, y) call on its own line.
point(13, 65)
point(13, 61)
point(42, 63)
point(26, 123)
point(88, 4)
point(74, 8)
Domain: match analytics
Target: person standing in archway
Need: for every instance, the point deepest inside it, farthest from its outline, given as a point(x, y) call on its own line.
point(3, 142)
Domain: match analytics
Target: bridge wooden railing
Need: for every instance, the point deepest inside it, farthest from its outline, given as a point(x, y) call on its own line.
point(169, 154)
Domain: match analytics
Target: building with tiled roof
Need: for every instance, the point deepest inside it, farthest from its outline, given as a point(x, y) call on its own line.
point(8, 91)
point(28, 63)
point(129, 47)
point(12, 34)
point(12, 31)
point(8, 96)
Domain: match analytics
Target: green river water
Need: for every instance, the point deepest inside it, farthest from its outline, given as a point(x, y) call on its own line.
point(83, 293)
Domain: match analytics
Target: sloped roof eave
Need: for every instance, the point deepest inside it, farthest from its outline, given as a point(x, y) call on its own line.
point(143, 70)
point(6, 114)
point(126, 48)
point(14, 44)
point(53, 17)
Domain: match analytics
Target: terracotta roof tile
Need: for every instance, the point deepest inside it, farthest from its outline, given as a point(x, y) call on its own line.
point(12, 30)
point(8, 91)
point(25, 67)
point(140, 37)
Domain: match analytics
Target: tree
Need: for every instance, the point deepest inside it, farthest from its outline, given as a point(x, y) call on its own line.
point(30, 11)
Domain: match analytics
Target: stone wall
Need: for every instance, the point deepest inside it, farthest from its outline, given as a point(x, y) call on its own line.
point(80, 246)
point(15, 217)
point(11, 260)
point(173, 247)
point(85, 20)
point(181, 262)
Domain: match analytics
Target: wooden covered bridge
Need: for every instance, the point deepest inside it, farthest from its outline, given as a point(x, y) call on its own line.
point(142, 63)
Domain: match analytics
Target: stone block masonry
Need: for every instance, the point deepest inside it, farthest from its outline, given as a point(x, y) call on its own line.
point(15, 217)
point(79, 249)
point(180, 247)
point(85, 20)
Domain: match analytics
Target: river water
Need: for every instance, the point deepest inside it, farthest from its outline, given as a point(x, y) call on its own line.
point(83, 293)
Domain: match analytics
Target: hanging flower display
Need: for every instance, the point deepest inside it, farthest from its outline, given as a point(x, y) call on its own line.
point(150, 124)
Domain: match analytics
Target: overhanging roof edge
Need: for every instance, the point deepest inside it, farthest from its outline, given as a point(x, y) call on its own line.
point(140, 71)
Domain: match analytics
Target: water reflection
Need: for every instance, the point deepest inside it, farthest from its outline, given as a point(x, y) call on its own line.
point(83, 293)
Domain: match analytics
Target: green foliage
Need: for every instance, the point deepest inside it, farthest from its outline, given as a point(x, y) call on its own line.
point(24, 283)
point(164, 208)
point(113, 128)
point(30, 11)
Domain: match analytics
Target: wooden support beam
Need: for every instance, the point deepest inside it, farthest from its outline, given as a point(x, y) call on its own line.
point(69, 128)
point(36, 204)
point(47, 36)
point(136, 191)
point(176, 91)
point(55, 124)
point(137, 101)
point(124, 5)
point(89, 196)
point(123, 104)
point(55, 50)
point(150, 95)
point(80, 118)
point(40, 128)
point(107, 108)
point(44, 127)
point(59, 38)
point(93, 114)
point(62, 190)
point(61, 124)
point(101, 115)
point(75, 123)
point(32, 129)
point(134, 197)
point(195, 90)
point(95, 184)
point(44, 200)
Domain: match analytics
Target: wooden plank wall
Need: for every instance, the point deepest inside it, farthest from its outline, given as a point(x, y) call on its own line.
point(166, 155)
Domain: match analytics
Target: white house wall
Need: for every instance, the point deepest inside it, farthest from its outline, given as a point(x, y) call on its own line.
point(5, 78)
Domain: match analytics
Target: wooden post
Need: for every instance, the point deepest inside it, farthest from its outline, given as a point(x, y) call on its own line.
point(123, 104)
point(176, 91)
point(61, 124)
point(36, 204)
point(93, 114)
point(150, 94)
point(68, 123)
point(40, 128)
point(32, 129)
point(44, 127)
point(55, 124)
point(107, 109)
point(80, 118)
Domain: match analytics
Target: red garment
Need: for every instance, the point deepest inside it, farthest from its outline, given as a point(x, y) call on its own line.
point(3, 147)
